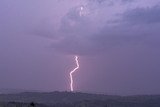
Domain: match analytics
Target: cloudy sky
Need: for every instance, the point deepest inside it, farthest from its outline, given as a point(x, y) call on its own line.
point(117, 41)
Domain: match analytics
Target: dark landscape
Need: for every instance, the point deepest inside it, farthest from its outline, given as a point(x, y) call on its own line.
point(76, 99)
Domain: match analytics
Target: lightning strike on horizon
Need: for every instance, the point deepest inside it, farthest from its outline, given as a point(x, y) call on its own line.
point(71, 77)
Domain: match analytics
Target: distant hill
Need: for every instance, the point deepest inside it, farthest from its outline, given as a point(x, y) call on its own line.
point(15, 91)
point(77, 99)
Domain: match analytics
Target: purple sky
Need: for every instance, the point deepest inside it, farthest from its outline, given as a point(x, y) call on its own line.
point(118, 42)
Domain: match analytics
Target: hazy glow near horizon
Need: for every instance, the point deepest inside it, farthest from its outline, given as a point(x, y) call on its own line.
point(71, 76)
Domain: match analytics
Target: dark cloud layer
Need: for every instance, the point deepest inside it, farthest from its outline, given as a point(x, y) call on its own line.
point(129, 28)
point(143, 15)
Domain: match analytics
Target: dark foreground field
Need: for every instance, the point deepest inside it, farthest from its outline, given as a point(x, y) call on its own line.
point(68, 99)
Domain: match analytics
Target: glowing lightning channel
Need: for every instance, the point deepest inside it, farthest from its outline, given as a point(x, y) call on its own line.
point(81, 11)
point(71, 77)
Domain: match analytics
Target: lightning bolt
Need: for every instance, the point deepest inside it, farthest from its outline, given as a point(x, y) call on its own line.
point(81, 11)
point(71, 76)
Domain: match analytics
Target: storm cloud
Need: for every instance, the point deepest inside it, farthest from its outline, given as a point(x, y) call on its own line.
point(102, 27)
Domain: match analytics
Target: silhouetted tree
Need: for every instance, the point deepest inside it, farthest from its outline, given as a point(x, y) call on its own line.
point(32, 104)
